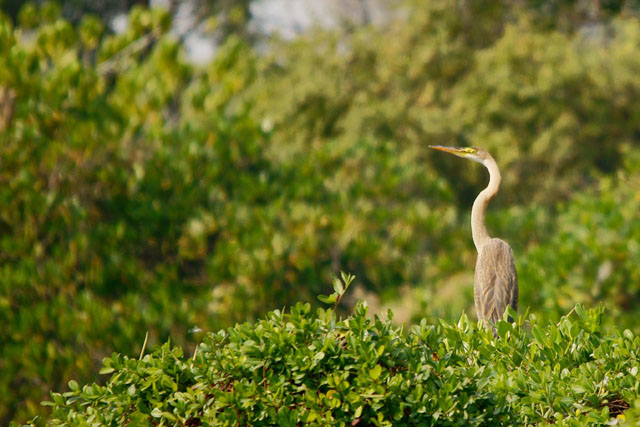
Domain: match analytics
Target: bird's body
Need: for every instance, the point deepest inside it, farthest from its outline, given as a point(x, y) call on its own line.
point(495, 280)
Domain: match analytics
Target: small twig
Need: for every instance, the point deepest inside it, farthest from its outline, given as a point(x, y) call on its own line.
point(566, 316)
point(335, 306)
point(144, 345)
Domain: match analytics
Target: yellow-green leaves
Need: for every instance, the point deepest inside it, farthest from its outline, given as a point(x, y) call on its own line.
point(369, 372)
point(91, 30)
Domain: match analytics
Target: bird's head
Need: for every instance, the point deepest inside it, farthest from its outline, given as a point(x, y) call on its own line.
point(476, 154)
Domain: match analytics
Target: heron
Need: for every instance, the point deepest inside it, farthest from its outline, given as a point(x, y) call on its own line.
point(495, 281)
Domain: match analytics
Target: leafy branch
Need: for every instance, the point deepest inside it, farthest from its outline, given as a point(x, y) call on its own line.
point(340, 286)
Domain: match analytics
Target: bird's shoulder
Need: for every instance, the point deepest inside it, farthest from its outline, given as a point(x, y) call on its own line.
point(495, 246)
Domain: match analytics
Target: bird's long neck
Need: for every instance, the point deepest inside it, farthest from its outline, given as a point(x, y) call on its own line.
point(478, 227)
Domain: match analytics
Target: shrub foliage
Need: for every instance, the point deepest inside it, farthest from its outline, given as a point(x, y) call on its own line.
point(316, 369)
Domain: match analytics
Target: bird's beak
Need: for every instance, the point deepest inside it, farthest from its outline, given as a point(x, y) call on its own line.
point(460, 152)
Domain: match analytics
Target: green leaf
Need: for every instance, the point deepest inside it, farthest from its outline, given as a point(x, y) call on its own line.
point(375, 372)
point(577, 388)
point(537, 332)
point(347, 279)
point(358, 412)
point(57, 398)
point(503, 328)
point(330, 299)
point(574, 331)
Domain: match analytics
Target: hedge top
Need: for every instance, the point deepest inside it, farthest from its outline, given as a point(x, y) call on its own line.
point(296, 367)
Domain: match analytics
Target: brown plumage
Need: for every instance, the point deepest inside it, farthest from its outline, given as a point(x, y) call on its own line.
point(496, 280)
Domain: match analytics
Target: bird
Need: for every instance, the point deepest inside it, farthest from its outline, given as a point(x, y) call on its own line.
point(496, 280)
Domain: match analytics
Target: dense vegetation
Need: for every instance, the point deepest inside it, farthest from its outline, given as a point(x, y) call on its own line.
point(141, 193)
point(296, 368)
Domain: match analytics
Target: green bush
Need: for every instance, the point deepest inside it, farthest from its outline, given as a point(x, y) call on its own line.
point(593, 256)
point(297, 367)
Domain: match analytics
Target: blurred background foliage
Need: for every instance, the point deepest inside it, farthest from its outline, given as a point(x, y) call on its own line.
point(140, 192)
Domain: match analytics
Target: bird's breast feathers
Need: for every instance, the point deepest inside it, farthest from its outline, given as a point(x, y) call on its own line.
point(496, 281)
